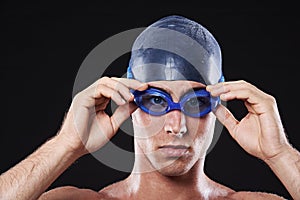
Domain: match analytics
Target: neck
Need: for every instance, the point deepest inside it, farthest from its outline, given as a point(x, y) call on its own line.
point(194, 183)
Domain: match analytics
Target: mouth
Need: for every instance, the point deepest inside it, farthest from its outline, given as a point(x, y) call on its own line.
point(174, 151)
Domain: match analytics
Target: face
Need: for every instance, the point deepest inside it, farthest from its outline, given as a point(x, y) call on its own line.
point(172, 143)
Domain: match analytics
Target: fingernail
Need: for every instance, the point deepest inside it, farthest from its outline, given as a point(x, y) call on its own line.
point(223, 96)
point(142, 86)
point(123, 101)
point(208, 88)
point(131, 97)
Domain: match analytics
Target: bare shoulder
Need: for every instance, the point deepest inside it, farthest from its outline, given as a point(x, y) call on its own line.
point(243, 195)
point(72, 193)
point(117, 190)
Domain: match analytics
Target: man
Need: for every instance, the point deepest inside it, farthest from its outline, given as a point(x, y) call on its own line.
point(172, 93)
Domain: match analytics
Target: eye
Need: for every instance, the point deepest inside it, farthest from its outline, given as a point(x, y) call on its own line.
point(196, 104)
point(154, 103)
point(157, 100)
point(193, 102)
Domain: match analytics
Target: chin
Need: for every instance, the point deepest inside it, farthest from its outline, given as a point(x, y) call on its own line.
point(175, 167)
point(170, 171)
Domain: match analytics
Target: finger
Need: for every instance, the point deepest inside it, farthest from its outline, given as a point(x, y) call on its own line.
point(122, 85)
point(250, 107)
point(217, 89)
point(108, 92)
point(223, 87)
point(102, 106)
point(226, 118)
point(121, 114)
point(259, 100)
point(247, 95)
point(118, 86)
point(254, 100)
point(99, 101)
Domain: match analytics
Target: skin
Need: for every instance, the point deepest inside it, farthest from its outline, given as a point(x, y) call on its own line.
point(87, 128)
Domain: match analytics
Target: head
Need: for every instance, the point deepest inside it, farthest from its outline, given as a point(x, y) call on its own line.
point(177, 57)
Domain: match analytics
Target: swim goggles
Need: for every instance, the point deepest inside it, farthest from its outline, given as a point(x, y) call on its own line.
point(157, 102)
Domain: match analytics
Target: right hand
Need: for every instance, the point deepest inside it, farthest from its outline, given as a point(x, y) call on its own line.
point(87, 127)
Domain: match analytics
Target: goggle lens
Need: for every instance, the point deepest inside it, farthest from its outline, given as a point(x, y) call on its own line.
point(196, 104)
point(157, 102)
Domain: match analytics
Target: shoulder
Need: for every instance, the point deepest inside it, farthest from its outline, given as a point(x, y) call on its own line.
point(243, 195)
point(118, 190)
point(72, 193)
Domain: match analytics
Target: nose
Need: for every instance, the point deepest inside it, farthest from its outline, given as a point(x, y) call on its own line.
point(175, 123)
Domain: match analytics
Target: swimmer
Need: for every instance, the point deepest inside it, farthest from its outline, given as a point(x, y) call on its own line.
point(173, 93)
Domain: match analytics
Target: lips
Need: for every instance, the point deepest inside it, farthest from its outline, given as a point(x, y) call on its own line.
point(174, 151)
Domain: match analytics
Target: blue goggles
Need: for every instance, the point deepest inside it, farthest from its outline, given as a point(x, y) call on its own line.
point(157, 102)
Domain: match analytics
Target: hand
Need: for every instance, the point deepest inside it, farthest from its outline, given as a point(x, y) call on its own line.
point(260, 132)
point(87, 127)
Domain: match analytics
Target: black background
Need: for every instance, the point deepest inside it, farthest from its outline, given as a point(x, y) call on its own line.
point(44, 43)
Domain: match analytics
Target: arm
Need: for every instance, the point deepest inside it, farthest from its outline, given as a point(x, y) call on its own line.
point(32, 176)
point(86, 128)
point(286, 166)
point(260, 132)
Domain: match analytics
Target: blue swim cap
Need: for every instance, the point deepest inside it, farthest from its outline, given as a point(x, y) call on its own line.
point(176, 48)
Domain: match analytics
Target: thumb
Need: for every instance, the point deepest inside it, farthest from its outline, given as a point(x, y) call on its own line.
point(226, 118)
point(121, 114)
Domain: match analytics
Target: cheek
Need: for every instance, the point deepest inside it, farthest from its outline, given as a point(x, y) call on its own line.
point(146, 125)
point(141, 118)
point(201, 126)
point(144, 146)
point(202, 131)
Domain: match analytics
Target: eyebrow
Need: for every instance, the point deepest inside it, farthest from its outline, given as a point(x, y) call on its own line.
point(166, 90)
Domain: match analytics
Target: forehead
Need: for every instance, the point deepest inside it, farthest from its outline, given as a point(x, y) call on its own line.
point(176, 87)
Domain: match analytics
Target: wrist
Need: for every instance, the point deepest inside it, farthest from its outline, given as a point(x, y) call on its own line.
point(73, 149)
point(69, 138)
point(286, 166)
point(284, 156)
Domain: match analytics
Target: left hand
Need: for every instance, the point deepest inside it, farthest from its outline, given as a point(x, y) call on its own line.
point(260, 132)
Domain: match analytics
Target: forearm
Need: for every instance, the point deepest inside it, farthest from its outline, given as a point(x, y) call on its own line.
point(287, 169)
point(31, 177)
